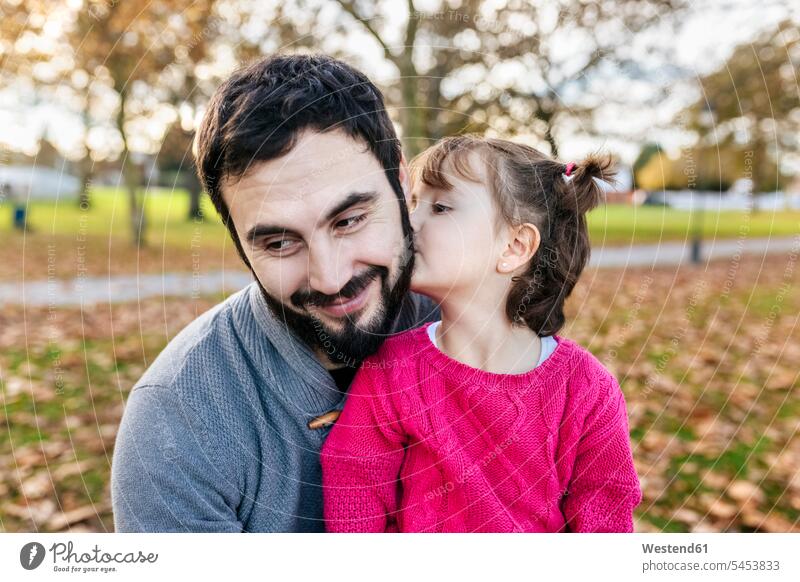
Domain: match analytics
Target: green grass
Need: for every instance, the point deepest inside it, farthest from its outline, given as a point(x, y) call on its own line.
point(166, 210)
point(734, 461)
point(619, 224)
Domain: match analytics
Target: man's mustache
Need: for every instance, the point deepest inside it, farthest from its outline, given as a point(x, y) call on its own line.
point(353, 287)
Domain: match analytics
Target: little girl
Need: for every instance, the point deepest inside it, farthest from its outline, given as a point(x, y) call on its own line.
point(486, 420)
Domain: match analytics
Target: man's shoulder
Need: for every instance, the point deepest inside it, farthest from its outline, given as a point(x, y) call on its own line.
point(201, 346)
point(191, 382)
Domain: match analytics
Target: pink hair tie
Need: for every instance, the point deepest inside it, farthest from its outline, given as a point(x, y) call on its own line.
point(570, 167)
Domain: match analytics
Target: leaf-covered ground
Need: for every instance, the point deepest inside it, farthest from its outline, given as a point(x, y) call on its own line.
point(41, 257)
point(707, 358)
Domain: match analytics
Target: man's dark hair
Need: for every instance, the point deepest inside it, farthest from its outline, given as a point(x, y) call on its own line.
point(258, 113)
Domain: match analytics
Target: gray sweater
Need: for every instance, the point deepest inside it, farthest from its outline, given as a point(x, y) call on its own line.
point(214, 435)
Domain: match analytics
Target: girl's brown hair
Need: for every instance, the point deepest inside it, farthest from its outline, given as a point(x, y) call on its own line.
point(528, 186)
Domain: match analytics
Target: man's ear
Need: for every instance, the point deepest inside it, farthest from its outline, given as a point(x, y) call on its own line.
point(405, 181)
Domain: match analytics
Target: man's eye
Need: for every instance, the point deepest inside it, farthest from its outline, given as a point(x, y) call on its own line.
point(351, 221)
point(440, 208)
point(279, 245)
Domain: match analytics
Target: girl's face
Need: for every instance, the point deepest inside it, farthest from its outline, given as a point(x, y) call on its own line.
point(457, 246)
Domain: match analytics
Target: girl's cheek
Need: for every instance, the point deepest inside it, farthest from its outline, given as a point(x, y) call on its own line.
point(451, 247)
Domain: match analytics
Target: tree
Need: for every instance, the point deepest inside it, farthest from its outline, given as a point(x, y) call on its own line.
point(270, 29)
point(703, 169)
point(20, 37)
point(128, 48)
point(140, 55)
point(481, 66)
point(175, 157)
point(753, 103)
point(42, 63)
point(648, 152)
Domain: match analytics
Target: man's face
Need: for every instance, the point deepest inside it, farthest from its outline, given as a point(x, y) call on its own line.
point(322, 230)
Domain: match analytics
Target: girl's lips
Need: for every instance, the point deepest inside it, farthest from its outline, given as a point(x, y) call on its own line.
point(343, 308)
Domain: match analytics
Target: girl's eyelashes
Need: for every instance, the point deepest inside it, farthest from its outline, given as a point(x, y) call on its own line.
point(440, 208)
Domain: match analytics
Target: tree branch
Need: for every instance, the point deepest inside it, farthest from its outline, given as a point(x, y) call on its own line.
point(350, 8)
point(411, 28)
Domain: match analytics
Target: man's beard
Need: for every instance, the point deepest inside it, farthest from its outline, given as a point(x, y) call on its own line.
point(352, 343)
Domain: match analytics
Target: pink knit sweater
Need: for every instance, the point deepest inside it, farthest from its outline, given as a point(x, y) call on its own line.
point(428, 444)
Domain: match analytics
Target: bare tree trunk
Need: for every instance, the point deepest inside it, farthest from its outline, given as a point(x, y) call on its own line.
point(137, 216)
point(195, 192)
point(132, 181)
point(85, 166)
point(86, 177)
point(414, 114)
point(757, 177)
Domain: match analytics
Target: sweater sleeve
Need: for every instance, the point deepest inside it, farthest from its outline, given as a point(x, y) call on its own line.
point(361, 458)
point(604, 488)
point(165, 474)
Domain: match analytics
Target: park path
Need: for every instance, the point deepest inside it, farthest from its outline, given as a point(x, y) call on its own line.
point(128, 288)
point(679, 253)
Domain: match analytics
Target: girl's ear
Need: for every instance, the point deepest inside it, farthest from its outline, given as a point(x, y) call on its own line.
point(523, 244)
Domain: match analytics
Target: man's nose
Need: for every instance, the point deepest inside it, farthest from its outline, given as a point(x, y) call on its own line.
point(328, 268)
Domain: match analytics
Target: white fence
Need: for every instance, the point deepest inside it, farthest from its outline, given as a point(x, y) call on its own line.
point(716, 201)
point(28, 183)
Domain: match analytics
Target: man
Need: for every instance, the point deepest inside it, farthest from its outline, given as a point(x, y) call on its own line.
point(223, 432)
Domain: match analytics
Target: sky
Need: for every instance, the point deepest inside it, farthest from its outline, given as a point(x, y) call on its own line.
point(706, 38)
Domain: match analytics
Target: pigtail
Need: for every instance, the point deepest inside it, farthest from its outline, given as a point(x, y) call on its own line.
point(537, 297)
point(578, 190)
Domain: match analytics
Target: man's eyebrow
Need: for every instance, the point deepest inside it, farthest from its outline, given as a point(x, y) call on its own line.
point(262, 230)
point(351, 200)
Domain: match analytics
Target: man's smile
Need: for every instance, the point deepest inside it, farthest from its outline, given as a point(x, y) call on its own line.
point(343, 307)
